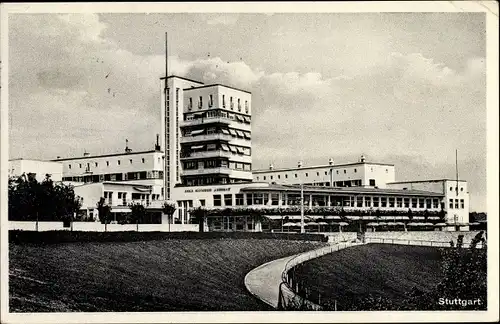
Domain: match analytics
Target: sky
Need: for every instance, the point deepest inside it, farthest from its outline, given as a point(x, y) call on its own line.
point(401, 88)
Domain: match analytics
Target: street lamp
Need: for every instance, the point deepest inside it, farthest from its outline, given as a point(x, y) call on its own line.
point(302, 229)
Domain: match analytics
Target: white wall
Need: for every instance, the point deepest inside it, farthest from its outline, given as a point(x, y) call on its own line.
point(98, 227)
point(41, 168)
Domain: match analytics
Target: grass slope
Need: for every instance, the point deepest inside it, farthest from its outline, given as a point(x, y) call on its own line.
point(380, 269)
point(172, 275)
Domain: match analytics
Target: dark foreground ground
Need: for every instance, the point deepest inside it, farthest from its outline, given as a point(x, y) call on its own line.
point(169, 275)
point(378, 269)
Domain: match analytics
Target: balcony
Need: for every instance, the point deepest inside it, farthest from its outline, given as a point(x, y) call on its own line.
point(219, 170)
point(208, 137)
point(201, 121)
point(216, 154)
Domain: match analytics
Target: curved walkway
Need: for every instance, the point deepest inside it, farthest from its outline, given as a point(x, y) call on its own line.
point(264, 281)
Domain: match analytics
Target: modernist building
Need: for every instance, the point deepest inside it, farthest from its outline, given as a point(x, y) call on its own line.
point(361, 173)
point(207, 135)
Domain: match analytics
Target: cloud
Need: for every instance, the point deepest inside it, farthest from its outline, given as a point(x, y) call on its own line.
point(385, 105)
point(221, 19)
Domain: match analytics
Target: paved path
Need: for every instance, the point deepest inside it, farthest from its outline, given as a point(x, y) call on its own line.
point(263, 282)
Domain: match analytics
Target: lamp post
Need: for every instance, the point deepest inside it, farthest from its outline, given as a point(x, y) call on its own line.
point(302, 229)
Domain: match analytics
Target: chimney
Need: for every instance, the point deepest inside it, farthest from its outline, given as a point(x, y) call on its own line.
point(362, 159)
point(157, 146)
point(127, 149)
point(330, 161)
point(299, 164)
point(271, 166)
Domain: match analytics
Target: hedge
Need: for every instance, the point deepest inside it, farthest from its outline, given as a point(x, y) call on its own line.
point(54, 237)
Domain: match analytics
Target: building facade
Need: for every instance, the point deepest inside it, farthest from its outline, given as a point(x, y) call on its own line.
point(455, 198)
point(18, 167)
point(207, 134)
point(357, 174)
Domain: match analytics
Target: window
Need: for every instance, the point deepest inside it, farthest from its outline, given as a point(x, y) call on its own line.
point(399, 202)
point(107, 163)
point(190, 104)
point(462, 189)
point(337, 171)
point(359, 201)
point(307, 174)
point(372, 182)
point(375, 201)
point(383, 202)
point(239, 104)
point(355, 170)
point(428, 203)
point(80, 165)
point(326, 172)
point(231, 104)
point(143, 160)
point(462, 204)
point(200, 102)
point(271, 177)
point(456, 203)
point(258, 199)
point(451, 188)
point(345, 171)
point(223, 101)
point(264, 177)
point(211, 101)
point(451, 202)
point(407, 202)
point(420, 203)
point(317, 173)
point(69, 166)
point(391, 201)
point(130, 161)
point(286, 176)
point(246, 106)
point(96, 164)
point(274, 199)
point(228, 200)
point(118, 162)
point(386, 170)
point(249, 199)
point(435, 203)
point(217, 200)
point(414, 202)
point(239, 201)
point(295, 175)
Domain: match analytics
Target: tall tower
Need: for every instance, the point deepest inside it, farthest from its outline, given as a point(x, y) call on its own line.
point(172, 103)
point(216, 136)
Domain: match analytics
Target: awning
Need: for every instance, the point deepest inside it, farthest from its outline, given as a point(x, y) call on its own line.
point(239, 118)
point(440, 224)
point(196, 132)
point(291, 224)
point(247, 135)
point(142, 189)
point(225, 131)
point(322, 223)
point(311, 224)
point(232, 131)
point(240, 150)
point(240, 133)
point(343, 224)
point(225, 147)
point(197, 147)
point(246, 119)
point(233, 149)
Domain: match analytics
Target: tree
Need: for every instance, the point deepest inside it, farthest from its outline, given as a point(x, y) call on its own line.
point(200, 214)
point(138, 213)
point(104, 213)
point(169, 209)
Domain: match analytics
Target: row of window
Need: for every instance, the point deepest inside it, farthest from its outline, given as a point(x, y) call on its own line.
point(96, 164)
point(122, 197)
point(456, 189)
point(211, 103)
point(241, 150)
point(459, 204)
point(219, 130)
point(209, 180)
point(217, 113)
point(289, 199)
point(317, 173)
point(142, 175)
point(217, 163)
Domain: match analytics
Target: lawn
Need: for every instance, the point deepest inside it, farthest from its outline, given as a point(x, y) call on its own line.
point(163, 275)
point(377, 269)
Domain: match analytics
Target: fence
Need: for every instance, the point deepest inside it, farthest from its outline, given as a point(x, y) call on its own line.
point(98, 227)
point(293, 295)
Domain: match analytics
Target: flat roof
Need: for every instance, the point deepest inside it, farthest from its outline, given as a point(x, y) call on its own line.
point(216, 85)
point(123, 183)
point(104, 155)
point(421, 181)
point(36, 160)
point(320, 166)
point(346, 190)
point(183, 78)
